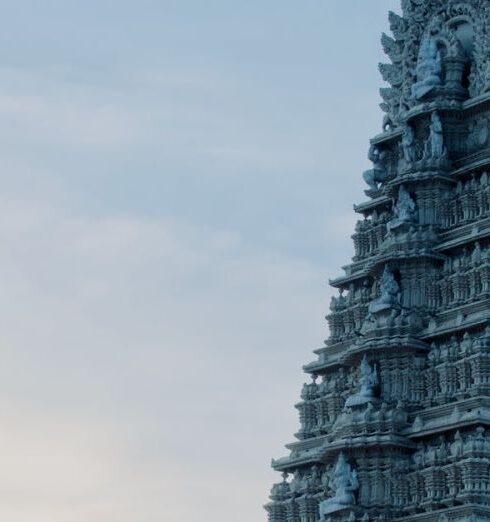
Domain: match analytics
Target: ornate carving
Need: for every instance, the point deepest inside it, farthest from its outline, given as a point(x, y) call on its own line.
point(379, 173)
point(390, 294)
point(344, 485)
point(435, 149)
point(392, 48)
point(478, 133)
point(368, 381)
point(391, 73)
point(404, 210)
point(408, 144)
point(429, 68)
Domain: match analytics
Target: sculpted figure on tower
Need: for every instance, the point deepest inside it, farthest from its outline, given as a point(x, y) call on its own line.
point(390, 293)
point(408, 144)
point(344, 484)
point(368, 381)
point(429, 68)
point(379, 173)
point(436, 138)
point(404, 210)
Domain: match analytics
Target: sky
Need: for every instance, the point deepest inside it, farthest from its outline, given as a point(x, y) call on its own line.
point(176, 188)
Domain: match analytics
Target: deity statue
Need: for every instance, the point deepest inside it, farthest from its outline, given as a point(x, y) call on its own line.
point(368, 381)
point(379, 172)
point(404, 210)
point(476, 255)
point(408, 144)
point(296, 484)
point(344, 484)
point(390, 294)
point(436, 137)
point(467, 344)
point(429, 68)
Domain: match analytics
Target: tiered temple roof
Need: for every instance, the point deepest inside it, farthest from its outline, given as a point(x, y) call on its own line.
point(395, 421)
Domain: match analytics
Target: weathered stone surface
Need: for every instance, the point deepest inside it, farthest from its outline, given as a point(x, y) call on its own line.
point(395, 423)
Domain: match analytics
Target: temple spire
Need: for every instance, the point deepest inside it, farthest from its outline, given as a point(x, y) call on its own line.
point(395, 425)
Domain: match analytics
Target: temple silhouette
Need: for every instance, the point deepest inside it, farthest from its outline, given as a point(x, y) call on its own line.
point(395, 419)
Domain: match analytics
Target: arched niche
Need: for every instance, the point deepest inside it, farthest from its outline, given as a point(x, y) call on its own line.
point(465, 33)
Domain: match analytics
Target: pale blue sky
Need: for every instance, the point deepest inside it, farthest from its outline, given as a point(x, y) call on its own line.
point(177, 181)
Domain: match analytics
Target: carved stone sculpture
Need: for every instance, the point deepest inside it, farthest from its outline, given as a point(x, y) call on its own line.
point(404, 210)
point(344, 485)
point(436, 138)
point(379, 173)
point(390, 293)
point(429, 68)
point(368, 382)
point(408, 143)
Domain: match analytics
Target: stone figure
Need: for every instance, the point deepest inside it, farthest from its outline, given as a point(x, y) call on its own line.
point(476, 255)
point(467, 344)
point(429, 68)
point(390, 293)
point(379, 173)
point(345, 484)
point(368, 381)
point(436, 138)
point(296, 484)
point(408, 144)
point(404, 210)
point(457, 445)
point(419, 456)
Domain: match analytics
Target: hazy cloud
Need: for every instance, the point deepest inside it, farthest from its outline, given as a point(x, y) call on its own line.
point(177, 180)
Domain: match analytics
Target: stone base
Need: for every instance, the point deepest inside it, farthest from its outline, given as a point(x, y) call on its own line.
point(343, 514)
point(359, 400)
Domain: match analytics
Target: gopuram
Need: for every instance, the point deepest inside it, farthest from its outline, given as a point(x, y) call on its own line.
point(395, 422)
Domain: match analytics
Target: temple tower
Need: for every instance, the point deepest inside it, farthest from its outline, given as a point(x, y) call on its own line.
point(395, 421)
